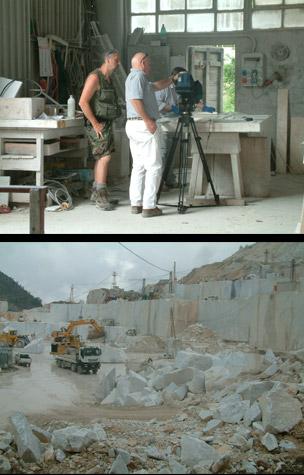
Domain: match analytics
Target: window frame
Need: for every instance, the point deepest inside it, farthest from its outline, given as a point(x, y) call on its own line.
point(249, 9)
point(214, 10)
point(282, 7)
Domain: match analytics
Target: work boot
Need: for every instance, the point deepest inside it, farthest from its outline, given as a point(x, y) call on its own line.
point(94, 197)
point(136, 209)
point(150, 213)
point(102, 201)
point(113, 201)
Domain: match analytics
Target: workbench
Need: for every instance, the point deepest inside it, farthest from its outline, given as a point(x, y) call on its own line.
point(238, 153)
point(37, 131)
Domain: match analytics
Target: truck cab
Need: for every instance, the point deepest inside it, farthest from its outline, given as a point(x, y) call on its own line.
point(23, 359)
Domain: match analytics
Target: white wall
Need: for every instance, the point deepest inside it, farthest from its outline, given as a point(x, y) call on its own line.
point(265, 319)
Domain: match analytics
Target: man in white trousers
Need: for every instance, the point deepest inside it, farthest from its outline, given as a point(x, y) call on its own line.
point(144, 136)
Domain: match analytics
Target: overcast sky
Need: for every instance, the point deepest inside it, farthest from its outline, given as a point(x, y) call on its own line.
point(47, 270)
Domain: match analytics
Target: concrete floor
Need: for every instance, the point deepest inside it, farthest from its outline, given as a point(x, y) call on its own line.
point(279, 214)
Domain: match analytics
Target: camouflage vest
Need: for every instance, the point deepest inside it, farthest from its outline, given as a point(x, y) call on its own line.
point(104, 103)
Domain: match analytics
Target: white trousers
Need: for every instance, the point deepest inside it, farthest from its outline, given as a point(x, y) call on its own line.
point(147, 164)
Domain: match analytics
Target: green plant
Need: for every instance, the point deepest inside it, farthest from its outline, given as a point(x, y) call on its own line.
point(229, 85)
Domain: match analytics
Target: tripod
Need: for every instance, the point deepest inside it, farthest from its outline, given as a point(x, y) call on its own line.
point(182, 135)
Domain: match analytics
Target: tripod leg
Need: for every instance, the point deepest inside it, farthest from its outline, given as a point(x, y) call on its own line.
point(170, 157)
point(203, 159)
point(185, 153)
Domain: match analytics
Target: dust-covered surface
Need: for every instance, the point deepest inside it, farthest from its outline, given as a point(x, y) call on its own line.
point(241, 413)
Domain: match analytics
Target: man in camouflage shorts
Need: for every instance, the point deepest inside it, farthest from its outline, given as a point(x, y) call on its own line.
point(99, 103)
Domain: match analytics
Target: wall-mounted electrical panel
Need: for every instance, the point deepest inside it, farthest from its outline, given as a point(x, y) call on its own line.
point(253, 69)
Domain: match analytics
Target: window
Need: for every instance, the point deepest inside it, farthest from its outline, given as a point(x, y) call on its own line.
point(277, 14)
point(190, 16)
point(208, 16)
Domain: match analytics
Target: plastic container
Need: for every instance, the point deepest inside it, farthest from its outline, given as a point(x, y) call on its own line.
point(163, 35)
point(71, 108)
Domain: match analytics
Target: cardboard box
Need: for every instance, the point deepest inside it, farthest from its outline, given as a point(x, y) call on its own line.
point(25, 108)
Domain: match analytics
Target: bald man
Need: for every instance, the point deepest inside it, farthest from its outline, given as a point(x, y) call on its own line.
point(144, 136)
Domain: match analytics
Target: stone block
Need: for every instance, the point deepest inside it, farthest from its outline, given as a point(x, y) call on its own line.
point(232, 409)
point(5, 466)
point(113, 355)
point(175, 393)
point(179, 377)
point(254, 389)
point(269, 441)
point(280, 411)
point(6, 439)
point(29, 448)
point(197, 385)
point(253, 414)
point(119, 466)
point(75, 439)
point(187, 359)
point(197, 452)
point(106, 385)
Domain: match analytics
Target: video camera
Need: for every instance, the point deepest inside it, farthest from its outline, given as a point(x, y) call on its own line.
point(190, 91)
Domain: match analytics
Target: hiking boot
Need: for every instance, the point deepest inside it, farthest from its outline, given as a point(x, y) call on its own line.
point(150, 213)
point(94, 197)
point(102, 201)
point(136, 209)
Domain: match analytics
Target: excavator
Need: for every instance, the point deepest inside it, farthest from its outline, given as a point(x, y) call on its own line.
point(12, 339)
point(65, 337)
point(72, 353)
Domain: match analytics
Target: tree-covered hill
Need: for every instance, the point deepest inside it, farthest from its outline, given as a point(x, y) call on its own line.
point(17, 297)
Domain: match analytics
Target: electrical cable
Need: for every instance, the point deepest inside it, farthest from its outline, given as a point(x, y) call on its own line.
point(160, 268)
point(59, 193)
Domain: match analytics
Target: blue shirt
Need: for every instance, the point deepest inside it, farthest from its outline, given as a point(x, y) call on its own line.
point(139, 87)
point(166, 97)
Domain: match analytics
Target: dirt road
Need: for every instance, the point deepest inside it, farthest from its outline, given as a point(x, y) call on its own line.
point(44, 392)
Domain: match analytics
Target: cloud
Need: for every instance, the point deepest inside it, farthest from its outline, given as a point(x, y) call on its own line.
point(48, 270)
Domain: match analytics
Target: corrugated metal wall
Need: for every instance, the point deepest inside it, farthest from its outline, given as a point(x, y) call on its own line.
point(15, 38)
point(57, 17)
point(17, 53)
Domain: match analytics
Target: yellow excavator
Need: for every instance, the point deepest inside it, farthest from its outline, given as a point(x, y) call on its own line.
point(65, 338)
point(72, 353)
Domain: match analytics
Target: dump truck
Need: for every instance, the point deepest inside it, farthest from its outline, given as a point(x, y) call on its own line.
point(81, 360)
point(71, 353)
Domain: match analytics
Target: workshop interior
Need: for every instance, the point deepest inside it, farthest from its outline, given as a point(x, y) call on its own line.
point(233, 143)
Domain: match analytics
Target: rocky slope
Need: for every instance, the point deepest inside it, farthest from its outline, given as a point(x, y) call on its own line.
point(257, 259)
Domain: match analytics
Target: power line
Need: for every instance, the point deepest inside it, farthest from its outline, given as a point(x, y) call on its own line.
point(98, 283)
point(160, 268)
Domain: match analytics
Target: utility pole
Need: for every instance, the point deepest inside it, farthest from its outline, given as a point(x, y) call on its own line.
point(143, 290)
point(293, 268)
point(114, 283)
point(266, 256)
point(71, 300)
point(174, 276)
point(171, 283)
